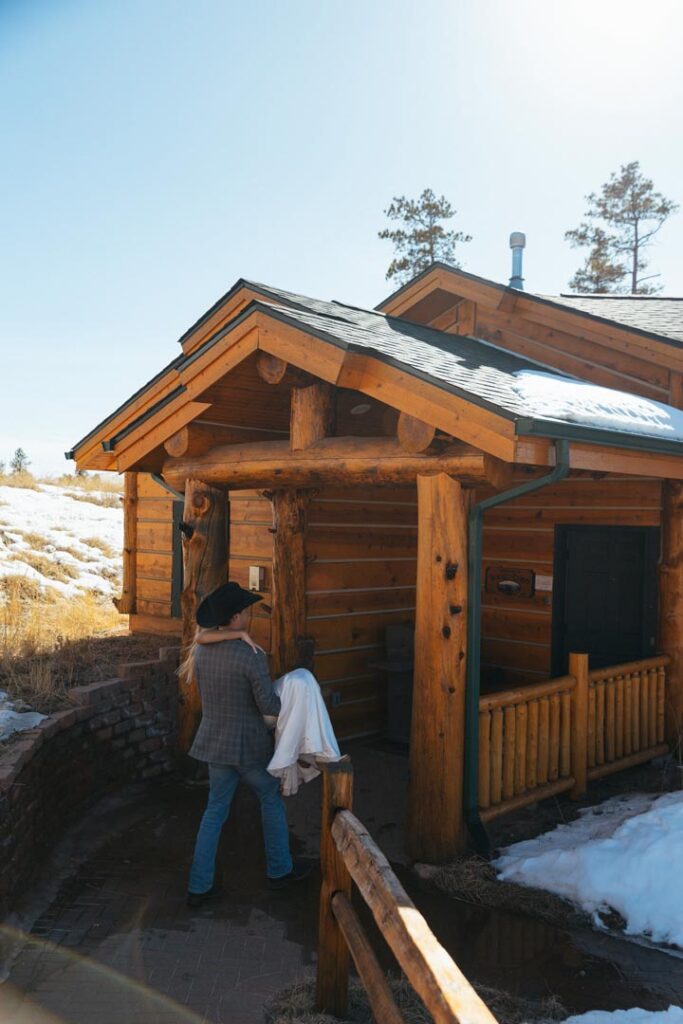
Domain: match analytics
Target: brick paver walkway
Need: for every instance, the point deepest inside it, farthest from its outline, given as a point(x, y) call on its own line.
point(117, 945)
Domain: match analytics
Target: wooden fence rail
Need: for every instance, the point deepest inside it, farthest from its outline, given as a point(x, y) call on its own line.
point(538, 741)
point(348, 853)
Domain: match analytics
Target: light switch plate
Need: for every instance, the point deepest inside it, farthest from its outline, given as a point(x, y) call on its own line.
point(257, 577)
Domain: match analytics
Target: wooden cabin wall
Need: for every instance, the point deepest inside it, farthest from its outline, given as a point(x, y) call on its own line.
point(361, 549)
point(516, 631)
point(153, 559)
point(361, 554)
point(251, 543)
point(579, 353)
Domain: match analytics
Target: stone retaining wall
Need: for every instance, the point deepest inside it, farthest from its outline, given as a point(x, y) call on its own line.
point(118, 731)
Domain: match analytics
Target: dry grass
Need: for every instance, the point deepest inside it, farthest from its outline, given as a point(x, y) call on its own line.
point(48, 643)
point(103, 500)
point(75, 553)
point(36, 540)
point(110, 482)
point(474, 880)
point(102, 545)
point(24, 479)
point(47, 567)
point(295, 1005)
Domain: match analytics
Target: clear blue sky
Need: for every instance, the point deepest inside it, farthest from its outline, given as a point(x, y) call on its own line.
point(153, 151)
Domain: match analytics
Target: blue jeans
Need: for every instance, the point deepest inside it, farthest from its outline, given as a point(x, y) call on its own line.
point(223, 780)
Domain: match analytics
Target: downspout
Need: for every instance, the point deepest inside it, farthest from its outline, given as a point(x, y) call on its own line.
point(476, 518)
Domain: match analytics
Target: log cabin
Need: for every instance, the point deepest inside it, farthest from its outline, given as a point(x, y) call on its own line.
point(493, 473)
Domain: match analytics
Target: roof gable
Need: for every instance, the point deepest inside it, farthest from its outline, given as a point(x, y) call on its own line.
point(481, 393)
point(662, 324)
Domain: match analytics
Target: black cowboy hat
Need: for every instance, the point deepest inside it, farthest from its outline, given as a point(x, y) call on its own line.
point(221, 604)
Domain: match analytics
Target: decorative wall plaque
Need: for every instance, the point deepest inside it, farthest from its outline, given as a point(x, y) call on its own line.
point(511, 582)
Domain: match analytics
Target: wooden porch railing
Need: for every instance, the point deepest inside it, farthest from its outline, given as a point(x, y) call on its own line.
point(348, 854)
point(625, 715)
point(537, 741)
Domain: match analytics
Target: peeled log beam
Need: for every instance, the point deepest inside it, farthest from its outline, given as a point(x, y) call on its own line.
point(414, 435)
point(198, 438)
point(338, 460)
point(435, 794)
point(312, 415)
point(205, 567)
point(269, 368)
point(671, 604)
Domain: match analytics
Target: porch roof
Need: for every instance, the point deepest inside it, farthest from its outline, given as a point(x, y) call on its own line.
point(537, 399)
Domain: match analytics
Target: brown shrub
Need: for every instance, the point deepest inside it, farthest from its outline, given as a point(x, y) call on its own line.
point(24, 479)
point(48, 643)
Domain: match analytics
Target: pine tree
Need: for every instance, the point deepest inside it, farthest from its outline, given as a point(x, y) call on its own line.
point(20, 461)
point(422, 239)
point(621, 222)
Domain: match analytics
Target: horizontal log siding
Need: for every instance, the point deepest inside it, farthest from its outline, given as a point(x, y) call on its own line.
point(573, 353)
point(154, 554)
point(361, 551)
point(251, 543)
point(516, 632)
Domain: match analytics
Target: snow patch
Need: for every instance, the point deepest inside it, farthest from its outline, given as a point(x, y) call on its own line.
point(674, 1015)
point(623, 854)
point(573, 401)
point(12, 720)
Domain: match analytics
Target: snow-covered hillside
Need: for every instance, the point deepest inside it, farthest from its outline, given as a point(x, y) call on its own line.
point(64, 538)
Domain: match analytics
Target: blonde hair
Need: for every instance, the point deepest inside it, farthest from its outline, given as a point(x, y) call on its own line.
point(186, 667)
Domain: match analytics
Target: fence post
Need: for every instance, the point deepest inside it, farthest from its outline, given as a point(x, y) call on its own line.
point(578, 667)
point(333, 953)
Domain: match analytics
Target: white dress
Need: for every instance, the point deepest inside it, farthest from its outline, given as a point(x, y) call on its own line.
point(303, 732)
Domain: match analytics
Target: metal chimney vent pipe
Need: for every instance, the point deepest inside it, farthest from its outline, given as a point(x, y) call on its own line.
point(517, 243)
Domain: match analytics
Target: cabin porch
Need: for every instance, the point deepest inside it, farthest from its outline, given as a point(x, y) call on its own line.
point(341, 564)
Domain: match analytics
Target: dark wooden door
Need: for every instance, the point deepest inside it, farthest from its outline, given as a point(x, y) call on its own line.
point(605, 594)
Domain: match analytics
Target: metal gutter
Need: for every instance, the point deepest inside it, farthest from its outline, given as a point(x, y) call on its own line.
point(529, 427)
point(110, 444)
point(472, 692)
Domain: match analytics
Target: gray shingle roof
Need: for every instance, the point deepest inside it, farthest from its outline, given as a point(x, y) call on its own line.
point(651, 313)
point(538, 398)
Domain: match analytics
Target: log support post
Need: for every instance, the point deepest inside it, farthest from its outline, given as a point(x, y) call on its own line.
point(205, 529)
point(311, 416)
point(435, 795)
point(333, 953)
point(578, 667)
point(671, 608)
point(126, 603)
point(288, 646)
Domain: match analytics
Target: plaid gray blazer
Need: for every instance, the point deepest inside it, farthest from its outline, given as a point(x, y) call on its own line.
point(236, 691)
